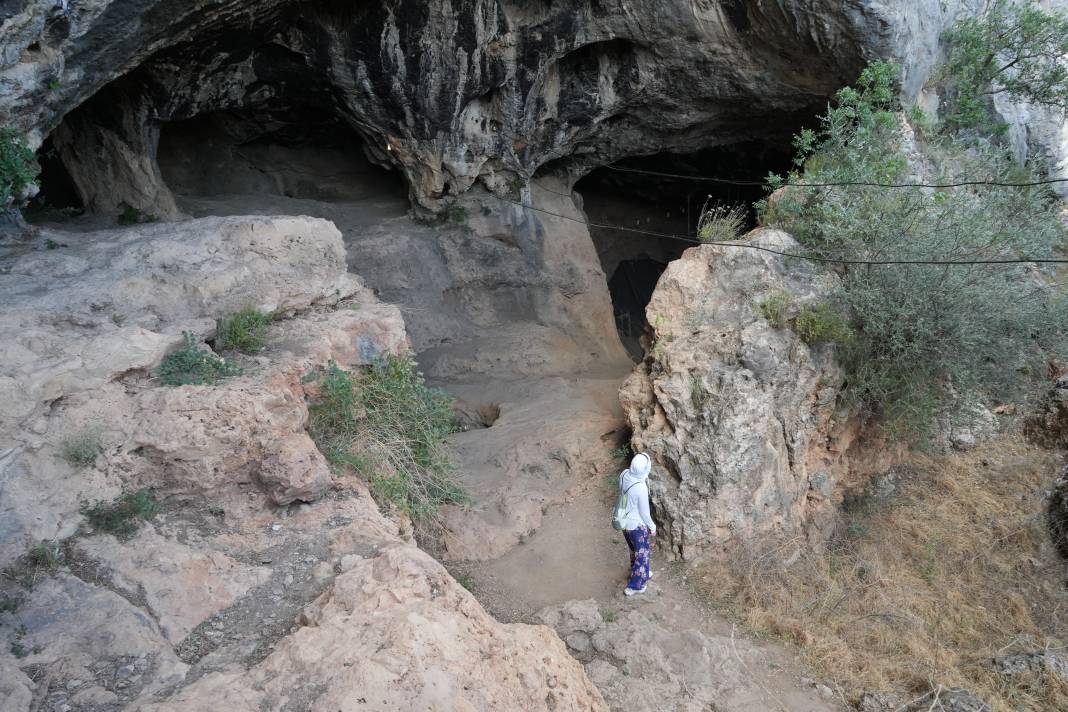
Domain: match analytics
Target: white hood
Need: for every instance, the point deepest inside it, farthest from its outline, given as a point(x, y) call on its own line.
point(638, 471)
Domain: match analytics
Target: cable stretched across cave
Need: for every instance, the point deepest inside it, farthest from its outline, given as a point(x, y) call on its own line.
point(809, 258)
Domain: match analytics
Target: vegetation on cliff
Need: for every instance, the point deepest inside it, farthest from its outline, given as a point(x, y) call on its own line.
point(386, 424)
point(926, 338)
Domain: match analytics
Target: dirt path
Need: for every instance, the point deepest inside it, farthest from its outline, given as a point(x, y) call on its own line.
point(575, 555)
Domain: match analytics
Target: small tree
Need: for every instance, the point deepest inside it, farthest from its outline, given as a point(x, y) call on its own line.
point(925, 337)
point(1014, 49)
point(18, 169)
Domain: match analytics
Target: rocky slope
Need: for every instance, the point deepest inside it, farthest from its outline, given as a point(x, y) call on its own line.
point(452, 92)
point(262, 563)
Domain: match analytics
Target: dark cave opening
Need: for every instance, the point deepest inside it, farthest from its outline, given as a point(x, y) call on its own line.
point(58, 196)
point(654, 217)
point(301, 154)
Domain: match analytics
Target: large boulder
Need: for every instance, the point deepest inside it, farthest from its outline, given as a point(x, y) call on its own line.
point(741, 416)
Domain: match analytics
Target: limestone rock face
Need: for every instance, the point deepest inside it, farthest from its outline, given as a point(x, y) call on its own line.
point(640, 662)
point(451, 91)
point(741, 418)
point(106, 303)
point(397, 632)
point(264, 581)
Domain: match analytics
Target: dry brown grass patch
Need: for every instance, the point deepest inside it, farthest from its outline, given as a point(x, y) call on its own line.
point(926, 586)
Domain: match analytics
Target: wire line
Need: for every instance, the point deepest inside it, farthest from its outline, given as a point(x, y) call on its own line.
point(810, 258)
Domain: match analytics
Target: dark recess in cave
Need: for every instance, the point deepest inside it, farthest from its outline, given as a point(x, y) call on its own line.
point(58, 192)
point(300, 153)
point(632, 261)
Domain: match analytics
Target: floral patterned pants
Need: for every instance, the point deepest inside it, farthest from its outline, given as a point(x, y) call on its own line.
point(638, 541)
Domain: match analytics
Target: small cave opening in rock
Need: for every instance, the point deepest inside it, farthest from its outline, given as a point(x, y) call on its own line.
point(645, 212)
point(247, 159)
point(58, 196)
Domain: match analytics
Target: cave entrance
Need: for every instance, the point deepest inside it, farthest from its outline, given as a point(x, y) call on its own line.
point(248, 158)
point(636, 199)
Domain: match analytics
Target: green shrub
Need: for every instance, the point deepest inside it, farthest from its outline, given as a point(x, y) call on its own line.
point(384, 422)
point(456, 214)
point(18, 169)
point(123, 516)
point(132, 216)
point(1012, 49)
point(776, 308)
point(721, 223)
point(81, 448)
point(193, 365)
point(244, 331)
point(822, 323)
point(926, 338)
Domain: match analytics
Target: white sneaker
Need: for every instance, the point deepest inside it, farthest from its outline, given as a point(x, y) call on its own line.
point(628, 591)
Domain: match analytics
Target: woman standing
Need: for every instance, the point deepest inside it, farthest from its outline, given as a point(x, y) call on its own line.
point(638, 525)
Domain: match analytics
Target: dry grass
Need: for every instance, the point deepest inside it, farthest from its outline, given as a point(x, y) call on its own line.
point(926, 586)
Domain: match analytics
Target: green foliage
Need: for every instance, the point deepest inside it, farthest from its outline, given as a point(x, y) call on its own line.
point(721, 223)
point(123, 516)
point(456, 214)
point(244, 331)
point(925, 337)
point(18, 169)
point(81, 448)
point(193, 365)
point(132, 216)
point(776, 308)
point(1013, 49)
point(384, 422)
point(822, 323)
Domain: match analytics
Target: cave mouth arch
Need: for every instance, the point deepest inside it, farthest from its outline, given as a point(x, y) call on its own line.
point(639, 200)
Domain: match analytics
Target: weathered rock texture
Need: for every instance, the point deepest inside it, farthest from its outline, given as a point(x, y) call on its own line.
point(643, 663)
point(451, 91)
point(266, 582)
point(741, 418)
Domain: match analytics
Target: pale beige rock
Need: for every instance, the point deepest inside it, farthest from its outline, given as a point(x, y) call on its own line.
point(16, 690)
point(741, 417)
point(71, 625)
point(181, 586)
point(117, 301)
point(641, 663)
point(397, 632)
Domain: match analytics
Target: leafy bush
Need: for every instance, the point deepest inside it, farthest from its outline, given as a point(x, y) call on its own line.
point(721, 223)
point(81, 449)
point(384, 422)
point(1013, 49)
point(193, 365)
point(244, 331)
point(776, 308)
point(132, 216)
point(123, 516)
point(926, 337)
point(18, 170)
point(822, 323)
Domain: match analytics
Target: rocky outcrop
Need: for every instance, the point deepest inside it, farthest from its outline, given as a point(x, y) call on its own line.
point(740, 416)
point(265, 581)
point(397, 632)
point(644, 663)
point(452, 92)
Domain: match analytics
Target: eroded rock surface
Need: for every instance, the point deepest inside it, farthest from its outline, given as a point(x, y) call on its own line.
point(452, 92)
point(266, 581)
point(741, 417)
point(641, 662)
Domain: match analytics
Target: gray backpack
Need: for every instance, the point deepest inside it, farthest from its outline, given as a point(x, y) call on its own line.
point(619, 517)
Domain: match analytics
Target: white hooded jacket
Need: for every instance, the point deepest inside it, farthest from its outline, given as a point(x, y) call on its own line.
point(633, 482)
